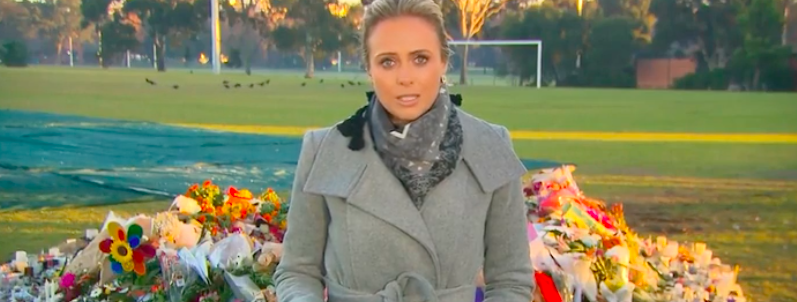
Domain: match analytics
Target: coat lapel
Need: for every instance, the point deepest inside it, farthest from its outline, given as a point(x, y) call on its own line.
point(492, 161)
point(363, 180)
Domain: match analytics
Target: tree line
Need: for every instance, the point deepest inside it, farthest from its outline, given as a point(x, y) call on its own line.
point(586, 43)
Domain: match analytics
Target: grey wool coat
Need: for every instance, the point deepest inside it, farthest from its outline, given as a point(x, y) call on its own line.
point(353, 229)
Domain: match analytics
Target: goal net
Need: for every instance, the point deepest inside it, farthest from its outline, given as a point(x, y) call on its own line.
point(497, 62)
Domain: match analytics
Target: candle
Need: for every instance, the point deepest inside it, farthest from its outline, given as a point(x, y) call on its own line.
point(661, 243)
point(671, 250)
point(21, 256)
point(705, 258)
point(689, 295)
point(700, 247)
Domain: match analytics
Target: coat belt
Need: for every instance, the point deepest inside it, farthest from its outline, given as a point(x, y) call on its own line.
point(394, 291)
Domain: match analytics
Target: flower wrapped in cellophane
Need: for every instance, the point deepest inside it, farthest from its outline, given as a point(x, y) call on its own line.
point(190, 252)
point(589, 253)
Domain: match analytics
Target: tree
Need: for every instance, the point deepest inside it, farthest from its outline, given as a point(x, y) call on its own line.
point(709, 27)
point(119, 36)
point(254, 20)
point(62, 23)
point(636, 10)
point(164, 18)
point(607, 62)
point(14, 54)
point(561, 30)
point(472, 15)
point(95, 14)
point(17, 20)
point(761, 52)
point(315, 28)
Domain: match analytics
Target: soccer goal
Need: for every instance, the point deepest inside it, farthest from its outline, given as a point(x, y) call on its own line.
point(537, 43)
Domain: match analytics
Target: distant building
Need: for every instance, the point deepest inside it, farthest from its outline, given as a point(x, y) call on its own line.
point(661, 73)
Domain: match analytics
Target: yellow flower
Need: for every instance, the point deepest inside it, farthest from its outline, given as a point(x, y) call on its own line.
point(121, 252)
point(615, 283)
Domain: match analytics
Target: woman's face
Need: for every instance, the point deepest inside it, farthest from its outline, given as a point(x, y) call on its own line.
point(405, 66)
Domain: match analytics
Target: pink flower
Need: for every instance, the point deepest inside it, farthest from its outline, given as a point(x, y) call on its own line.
point(67, 280)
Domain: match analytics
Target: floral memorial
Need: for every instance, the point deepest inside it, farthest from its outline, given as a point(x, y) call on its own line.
point(215, 244)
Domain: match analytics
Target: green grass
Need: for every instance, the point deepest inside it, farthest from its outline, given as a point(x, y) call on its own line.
point(202, 99)
point(752, 227)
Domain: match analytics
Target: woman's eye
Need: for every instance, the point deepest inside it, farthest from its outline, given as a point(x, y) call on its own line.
point(420, 60)
point(387, 63)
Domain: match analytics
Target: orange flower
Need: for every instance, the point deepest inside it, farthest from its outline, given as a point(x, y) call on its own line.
point(610, 242)
point(207, 183)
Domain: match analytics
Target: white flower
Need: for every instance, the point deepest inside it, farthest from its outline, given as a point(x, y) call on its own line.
point(96, 292)
point(568, 232)
point(624, 294)
point(550, 239)
point(578, 266)
point(186, 205)
point(589, 240)
point(620, 254)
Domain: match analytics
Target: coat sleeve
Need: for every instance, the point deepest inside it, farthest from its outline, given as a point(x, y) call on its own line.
point(508, 273)
point(299, 275)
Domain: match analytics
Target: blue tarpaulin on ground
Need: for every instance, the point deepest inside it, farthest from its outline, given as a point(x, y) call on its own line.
point(49, 160)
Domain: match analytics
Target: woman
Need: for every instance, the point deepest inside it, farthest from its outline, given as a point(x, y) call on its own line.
point(407, 199)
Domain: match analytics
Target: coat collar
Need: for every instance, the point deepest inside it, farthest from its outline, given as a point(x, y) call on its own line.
point(485, 148)
point(364, 182)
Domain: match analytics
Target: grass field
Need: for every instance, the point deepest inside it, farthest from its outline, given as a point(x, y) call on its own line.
point(714, 166)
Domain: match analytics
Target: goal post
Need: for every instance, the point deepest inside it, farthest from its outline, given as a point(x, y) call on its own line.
point(537, 43)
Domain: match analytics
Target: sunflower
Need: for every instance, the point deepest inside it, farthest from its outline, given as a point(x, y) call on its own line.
point(127, 250)
point(121, 251)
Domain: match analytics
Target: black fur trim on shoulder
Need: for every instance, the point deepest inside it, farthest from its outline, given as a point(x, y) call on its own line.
point(354, 126)
point(456, 99)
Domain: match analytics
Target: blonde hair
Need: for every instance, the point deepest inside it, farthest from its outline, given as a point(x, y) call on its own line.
point(380, 10)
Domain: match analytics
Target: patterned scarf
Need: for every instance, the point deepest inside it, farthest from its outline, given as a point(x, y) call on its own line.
point(422, 153)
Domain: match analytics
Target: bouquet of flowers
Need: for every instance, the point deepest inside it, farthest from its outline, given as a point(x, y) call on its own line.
point(210, 245)
point(585, 251)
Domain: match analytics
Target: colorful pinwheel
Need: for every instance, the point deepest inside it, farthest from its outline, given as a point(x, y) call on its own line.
point(127, 251)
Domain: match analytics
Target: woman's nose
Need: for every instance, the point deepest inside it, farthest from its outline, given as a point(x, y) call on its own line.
point(404, 76)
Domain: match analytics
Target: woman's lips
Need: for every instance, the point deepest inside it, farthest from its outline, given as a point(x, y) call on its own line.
point(408, 100)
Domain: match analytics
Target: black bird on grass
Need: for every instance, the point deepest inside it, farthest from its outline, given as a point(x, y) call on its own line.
point(251, 85)
point(226, 86)
point(237, 85)
point(342, 85)
point(151, 82)
point(321, 81)
point(261, 83)
point(304, 84)
point(351, 83)
point(176, 86)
